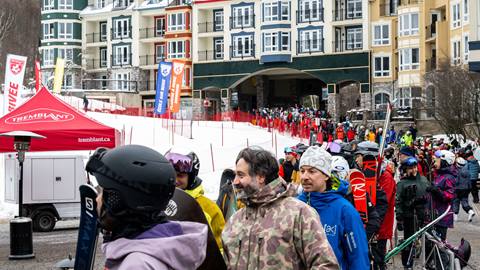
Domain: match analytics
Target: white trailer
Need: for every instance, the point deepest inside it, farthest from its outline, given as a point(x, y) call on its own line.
point(50, 187)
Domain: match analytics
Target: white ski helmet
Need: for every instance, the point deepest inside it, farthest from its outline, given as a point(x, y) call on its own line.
point(460, 162)
point(340, 167)
point(446, 155)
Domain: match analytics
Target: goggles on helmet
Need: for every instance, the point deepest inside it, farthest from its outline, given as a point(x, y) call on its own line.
point(287, 150)
point(410, 162)
point(181, 163)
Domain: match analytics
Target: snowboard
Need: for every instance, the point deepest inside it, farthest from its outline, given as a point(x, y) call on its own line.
point(357, 183)
point(183, 207)
point(226, 197)
point(88, 230)
point(370, 172)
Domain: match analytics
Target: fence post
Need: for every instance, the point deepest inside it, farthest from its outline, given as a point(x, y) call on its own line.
point(276, 156)
point(131, 134)
point(211, 153)
point(222, 133)
point(247, 144)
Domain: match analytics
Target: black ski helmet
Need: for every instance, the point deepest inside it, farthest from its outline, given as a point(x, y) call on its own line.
point(134, 176)
point(174, 155)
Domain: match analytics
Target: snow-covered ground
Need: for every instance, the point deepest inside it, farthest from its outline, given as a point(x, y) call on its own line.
point(207, 140)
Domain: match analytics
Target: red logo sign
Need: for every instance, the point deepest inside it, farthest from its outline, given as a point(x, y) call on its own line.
point(16, 66)
point(41, 115)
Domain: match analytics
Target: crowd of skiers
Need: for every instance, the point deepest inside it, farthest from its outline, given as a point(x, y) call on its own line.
point(296, 213)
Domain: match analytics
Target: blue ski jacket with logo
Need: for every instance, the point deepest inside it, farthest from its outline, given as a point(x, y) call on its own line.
point(343, 226)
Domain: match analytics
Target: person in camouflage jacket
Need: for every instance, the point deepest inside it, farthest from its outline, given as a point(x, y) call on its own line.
point(274, 230)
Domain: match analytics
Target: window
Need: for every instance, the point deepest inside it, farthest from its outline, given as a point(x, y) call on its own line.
point(68, 81)
point(311, 41)
point(121, 55)
point(456, 22)
point(270, 42)
point(465, 10)
point(243, 16)
point(430, 100)
point(65, 4)
point(103, 31)
point(103, 57)
point(270, 11)
point(284, 11)
point(465, 48)
point(186, 77)
point(104, 82)
point(65, 30)
point(381, 103)
point(122, 3)
point(310, 10)
point(48, 57)
point(242, 46)
point(456, 52)
point(176, 22)
point(354, 38)
point(100, 3)
point(66, 54)
point(285, 41)
point(408, 24)
point(48, 5)
point(354, 9)
point(160, 27)
point(409, 59)
point(382, 66)
point(159, 53)
point(48, 30)
point(218, 20)
point(122, 80)
point(218, 48)
point(176, 49)
point(121, 28)
point(403, 96)
point(381, 35)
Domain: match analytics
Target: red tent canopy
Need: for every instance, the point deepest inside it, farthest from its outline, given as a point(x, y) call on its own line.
point(64, 127)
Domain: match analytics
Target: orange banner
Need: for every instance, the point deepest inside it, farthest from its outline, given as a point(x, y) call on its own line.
point(176, 86)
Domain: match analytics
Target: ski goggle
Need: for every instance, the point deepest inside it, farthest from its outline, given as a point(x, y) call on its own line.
point(181, 163)
point(287, 150)
point(410, 162)
point(438, 154)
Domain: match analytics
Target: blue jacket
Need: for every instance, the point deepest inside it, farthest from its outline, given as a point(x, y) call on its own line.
point(391, 136)
point(473, 168)
point(343, 226)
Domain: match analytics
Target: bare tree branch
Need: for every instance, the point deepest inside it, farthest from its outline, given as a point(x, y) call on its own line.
point(7, 18)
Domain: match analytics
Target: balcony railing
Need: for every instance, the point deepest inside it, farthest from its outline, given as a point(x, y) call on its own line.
point(431, 31)
point(96, 37)
point(346, 14)
point(431, 64)
point(409, 2)
point(210, 55)
point(151, 32)
point(121, 60)
point(343, 46)
point(208, 27)
point(96, 63)
point(388, 9)
point(310, 46)
point(146, 60)
point(240, 52)
point(310, 15)
point(240, 22)
point(121, 33)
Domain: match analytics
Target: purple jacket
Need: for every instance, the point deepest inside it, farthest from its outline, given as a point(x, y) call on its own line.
point(445, 181)
point(171, 245)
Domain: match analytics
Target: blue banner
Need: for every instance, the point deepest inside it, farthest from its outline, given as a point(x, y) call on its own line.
point(162, 87)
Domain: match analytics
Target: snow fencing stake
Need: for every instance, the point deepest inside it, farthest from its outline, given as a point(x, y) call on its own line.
point(276, 156)
point(211, 154)
point(131, 134)
point(222, 133)
point(247, 144)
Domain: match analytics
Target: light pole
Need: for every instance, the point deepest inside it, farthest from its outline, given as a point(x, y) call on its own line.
point(21, 244)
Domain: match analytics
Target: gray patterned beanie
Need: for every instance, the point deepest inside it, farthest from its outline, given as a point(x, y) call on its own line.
point(319, 158)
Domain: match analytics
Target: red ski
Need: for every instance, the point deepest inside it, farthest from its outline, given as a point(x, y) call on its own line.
point(357, 182)
point(370, 171)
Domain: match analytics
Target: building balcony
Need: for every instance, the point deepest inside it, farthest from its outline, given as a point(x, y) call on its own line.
point(96, 64)
point(241, 22)
point(119, 34)
point(346, 14)
point(206, 55)
point(210, 27)
point(431, 31)
point(309, 16)
point(409, 2)
point(149, 60)
point(343, 46)
point(310, 46)
point(237, 52)
point(121, 60)
point(431, 64)
point(147, 33)
point(96, 37)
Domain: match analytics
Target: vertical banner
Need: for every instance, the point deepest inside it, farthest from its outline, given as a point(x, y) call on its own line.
point(58, 79)
point(38, 76)
point(176, 85)
point(163, 86)
point(14, 73)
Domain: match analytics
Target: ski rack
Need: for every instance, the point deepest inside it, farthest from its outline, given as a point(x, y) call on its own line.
point(414, 236)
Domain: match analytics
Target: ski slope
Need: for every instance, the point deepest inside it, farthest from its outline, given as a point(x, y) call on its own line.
point(207, 141)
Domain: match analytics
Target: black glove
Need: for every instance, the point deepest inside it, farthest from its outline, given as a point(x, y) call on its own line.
point(399, 225)
point(435, 191)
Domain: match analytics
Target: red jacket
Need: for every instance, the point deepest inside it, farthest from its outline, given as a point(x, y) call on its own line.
point(388, 185)
point(350, 135)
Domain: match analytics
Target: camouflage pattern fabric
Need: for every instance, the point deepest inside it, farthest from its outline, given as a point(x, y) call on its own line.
point(276, 231)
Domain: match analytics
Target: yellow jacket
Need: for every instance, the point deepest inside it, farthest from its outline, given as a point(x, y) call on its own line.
point(212, 213)
point(296, 177)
